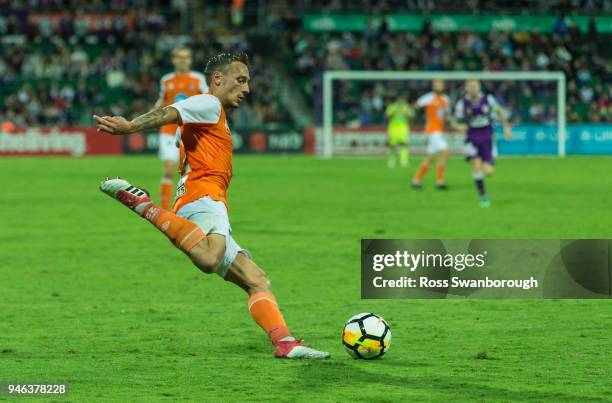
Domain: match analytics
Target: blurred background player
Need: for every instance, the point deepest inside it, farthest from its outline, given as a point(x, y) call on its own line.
point(399, 113)
point(174, 87)
point(476, 110)
point(436, 105)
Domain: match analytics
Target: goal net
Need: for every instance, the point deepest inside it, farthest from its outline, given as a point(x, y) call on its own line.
point(354, 103)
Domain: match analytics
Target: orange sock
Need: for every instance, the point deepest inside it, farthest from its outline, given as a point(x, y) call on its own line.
point(440, 173)
point(165, 193)
point(265, 312)
point(422, 171)
point(182, 233)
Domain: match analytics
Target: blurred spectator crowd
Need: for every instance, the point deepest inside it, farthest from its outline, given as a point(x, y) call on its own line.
point(452, 6)
point(583, 56)
point(59, 68)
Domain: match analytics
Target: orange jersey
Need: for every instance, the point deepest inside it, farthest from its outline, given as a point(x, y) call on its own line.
point(176, 87)
point(436, 107)
point(205, 144)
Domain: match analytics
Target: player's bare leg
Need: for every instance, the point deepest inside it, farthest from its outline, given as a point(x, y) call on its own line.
point(423, 168)
point(391, 154)
point(264, 309)
point(206, 252)
point(487, 168)
point(184, 234)
point(440, 170)
point(404, 156)
point(166, 185)
point(477, 174)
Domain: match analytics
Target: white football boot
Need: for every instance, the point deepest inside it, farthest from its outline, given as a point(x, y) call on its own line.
point(296, 349)
point(129, 195)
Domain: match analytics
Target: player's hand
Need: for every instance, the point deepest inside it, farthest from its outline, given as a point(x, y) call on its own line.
point(462, 127)
point(117, 125)
point(507, 133)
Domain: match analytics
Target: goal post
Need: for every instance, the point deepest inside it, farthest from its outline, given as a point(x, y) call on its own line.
point(366, 75)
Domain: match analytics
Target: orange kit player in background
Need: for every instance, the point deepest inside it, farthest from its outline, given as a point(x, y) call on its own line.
point(200, 225)
point(437, 106)
point(174, 87)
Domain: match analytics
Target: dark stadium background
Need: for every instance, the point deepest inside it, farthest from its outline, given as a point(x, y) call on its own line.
point(63, 61)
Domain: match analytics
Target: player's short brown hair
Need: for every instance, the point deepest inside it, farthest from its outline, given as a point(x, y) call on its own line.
point(221, 61)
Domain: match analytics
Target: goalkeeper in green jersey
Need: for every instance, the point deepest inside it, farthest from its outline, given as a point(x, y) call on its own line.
point(398, 113)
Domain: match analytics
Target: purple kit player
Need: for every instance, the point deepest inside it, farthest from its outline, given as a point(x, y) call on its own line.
point(477, 110)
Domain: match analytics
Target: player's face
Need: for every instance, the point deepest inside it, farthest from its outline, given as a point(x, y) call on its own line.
point(235, 85)
point(472, 88)
point(438, 86)
point(181, 60)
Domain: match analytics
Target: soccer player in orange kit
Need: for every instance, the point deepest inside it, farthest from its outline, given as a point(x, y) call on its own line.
point(437, 106)
point(199, 225)
point(174, 87)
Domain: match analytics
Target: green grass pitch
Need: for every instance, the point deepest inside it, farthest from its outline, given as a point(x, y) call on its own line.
point(92, 295)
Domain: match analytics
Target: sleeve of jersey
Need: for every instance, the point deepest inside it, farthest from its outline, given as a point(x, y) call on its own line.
point(199, 110)
point(493, 103)
point(459, 110)
point(424, 100)
point(447, 103)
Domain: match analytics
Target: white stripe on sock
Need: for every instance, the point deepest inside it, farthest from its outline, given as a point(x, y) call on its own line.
point(187, 236)
point(261, 299)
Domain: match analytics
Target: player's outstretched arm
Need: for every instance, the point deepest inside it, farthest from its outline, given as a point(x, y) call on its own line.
point(119, 125)
point(506, 125)
point(456, 124)
point(501, 114)
point(504, 121)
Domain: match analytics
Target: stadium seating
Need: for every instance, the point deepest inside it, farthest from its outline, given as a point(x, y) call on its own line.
point(60, 74)
point(588, 85)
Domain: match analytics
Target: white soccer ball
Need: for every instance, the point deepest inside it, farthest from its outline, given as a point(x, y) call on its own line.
point(366, 336)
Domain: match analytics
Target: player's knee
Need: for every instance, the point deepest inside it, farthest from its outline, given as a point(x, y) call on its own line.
point(208, 264)
point(168, 170)
point(208, 254)
point(205, 260)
